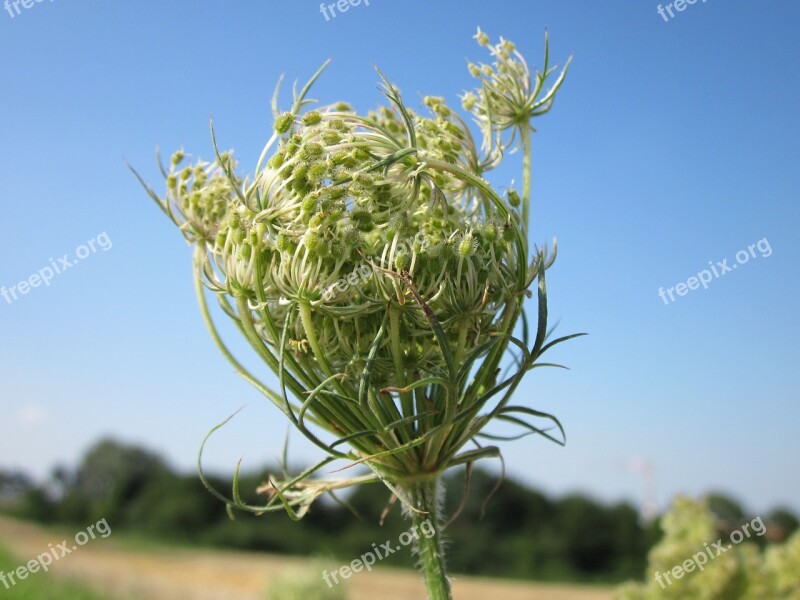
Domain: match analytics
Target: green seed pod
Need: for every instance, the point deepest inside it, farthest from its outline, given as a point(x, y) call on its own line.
point(446, 250)
point(337, 250)
point(313, 241)
point(467, 246)
point(239, 234)
point(310, 151)
point(282, 242)
point(338, 158)
point(300, 185)
point(300, 171)
point(309, 204)
point(513, 197)
point(311, 118)
point(468, 101)
point(277, 160)
point(352, 238)
point(293, 145)
point(317, 172)
point(489, 232)
point(331, 137)
point(362, 219)
point(455, 131)
point(401, 261)
point(284, 123)
point(361, 155)
point(245, 252)
point(336, 192)
point(316, 221)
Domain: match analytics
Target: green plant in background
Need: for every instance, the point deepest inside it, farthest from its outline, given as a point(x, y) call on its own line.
point(305, 584)
point(378, 274)
point(741, 572)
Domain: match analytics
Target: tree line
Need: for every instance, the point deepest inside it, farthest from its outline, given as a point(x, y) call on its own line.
point(508, 530)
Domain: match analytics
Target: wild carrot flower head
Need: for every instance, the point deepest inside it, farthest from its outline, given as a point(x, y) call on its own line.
point(375, 271)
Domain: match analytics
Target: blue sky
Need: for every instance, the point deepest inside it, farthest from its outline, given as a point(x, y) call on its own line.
point(672, 144)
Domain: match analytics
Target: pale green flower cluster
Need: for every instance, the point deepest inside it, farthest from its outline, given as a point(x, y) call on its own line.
point(510, 95)
point(741, 572)
point(340, 189)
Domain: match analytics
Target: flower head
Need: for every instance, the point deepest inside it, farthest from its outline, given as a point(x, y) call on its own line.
point(510, 95)
point(375, 271)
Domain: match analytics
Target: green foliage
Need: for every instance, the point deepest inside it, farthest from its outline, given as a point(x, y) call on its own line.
point(742, 572)
point(573, 538)
point(782, 524)
point(110, 476)
point(305, 584)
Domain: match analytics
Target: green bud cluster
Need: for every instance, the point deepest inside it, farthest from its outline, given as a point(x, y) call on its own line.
point(509, 95)
point(336, 190)
point(198, 197)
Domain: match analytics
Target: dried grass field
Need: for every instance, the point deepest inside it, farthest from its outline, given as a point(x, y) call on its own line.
point(124, 571)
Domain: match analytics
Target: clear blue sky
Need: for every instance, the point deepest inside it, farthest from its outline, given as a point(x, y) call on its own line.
point(671, 144)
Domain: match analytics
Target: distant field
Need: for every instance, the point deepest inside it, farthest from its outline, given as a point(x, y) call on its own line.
point(123, 572)
point(38, 588)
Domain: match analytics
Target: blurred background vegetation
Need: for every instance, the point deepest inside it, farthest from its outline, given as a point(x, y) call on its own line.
point(519, 533)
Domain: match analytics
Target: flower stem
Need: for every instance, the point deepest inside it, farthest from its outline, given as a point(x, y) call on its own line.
point(427, 527)
point(525, 132)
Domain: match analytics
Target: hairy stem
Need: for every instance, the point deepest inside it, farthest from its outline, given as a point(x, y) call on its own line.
point(426, 526)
